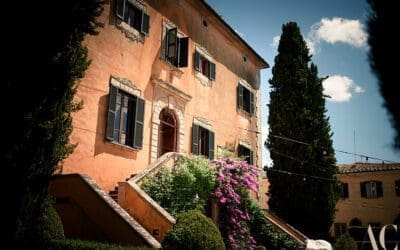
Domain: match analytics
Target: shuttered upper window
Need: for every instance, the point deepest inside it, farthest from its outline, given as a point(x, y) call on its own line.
point(204, 66)
point(245, 99)
point(176, 48)
point(344, 190)
point(125, 118)
point(371, 189)
point(133, 15)
point(202, 141)
point(246, 153)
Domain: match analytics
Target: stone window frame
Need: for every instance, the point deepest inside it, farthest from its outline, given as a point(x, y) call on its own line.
point(252, 95)
point(130, 32)
point(130, 91)
point(203, 53)
point(165, 26)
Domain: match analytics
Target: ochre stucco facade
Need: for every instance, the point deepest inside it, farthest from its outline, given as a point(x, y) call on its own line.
point(122, 57)
point(382, 208)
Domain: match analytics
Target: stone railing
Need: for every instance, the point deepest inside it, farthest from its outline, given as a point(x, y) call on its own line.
point(155, 219)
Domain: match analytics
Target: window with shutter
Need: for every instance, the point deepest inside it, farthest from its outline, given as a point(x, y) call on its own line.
point(211, 145)
point(112, 98)
point(203, 141)
point(204, 66)
point(246, 153)
point(125, 118)
point(183, 52)
point(371, 189)
point(245, 99)
point(133, 15)
point(397, 187)
point(176, 48)
point(363, 188)
point(344, 190)
point(195, 139)
point(197, 61)
point(139, 118)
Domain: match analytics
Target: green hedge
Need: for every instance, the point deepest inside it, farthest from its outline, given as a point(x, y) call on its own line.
point(50, 226)
point(194, 230)
point(345, 242)
point(265, 234)
point(88, 245)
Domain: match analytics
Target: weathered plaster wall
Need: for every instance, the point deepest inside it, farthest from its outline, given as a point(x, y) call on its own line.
point(113, 54)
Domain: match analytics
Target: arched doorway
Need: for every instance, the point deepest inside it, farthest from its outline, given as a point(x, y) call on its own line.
point(167, 132)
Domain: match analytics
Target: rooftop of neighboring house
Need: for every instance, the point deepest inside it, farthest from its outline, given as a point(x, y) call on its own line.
point(359, 167)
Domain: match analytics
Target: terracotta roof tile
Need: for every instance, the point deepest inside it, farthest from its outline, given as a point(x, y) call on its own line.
point(367, 167)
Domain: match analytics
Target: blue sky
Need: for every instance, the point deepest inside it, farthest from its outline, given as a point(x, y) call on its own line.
point(336, 33)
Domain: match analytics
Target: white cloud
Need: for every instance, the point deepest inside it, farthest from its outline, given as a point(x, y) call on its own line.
point(339, 29)
point(312, 46)
point(359, 89)
point(275, 42)
point(340, 88)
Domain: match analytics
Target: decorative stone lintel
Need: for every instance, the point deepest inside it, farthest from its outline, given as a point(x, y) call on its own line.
point(244, 143)
point(169, 88)
point(131, 33)
point(246, 84)
point(125, 85)
point(203, 122)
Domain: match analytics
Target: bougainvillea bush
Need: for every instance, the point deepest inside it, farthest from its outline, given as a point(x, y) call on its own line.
point(233, 177)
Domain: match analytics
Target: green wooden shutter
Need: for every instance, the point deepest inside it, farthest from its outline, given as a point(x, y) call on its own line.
point(112, 103)
point(345, 187)
point(363, 189)
point(379, 190)
point(139, 118)
point(211, 144)
point(239, 150)
point(172, 46)
point(197, 61)
point(212, 71)
point(145, 27)
point(130, 133)
point(251, 103)
point(183, 52)
point(120, 8)
point(251, 157)
point(240, 96)
point(195, 139)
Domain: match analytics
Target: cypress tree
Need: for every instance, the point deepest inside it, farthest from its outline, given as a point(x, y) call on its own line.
point(42, 68)
point(306, 198)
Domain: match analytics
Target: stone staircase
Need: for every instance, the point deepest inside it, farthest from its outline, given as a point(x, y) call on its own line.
point(140, 206)
point(114, 193)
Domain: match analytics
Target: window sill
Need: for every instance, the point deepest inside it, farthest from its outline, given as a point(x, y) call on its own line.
point(131, 33)
point(204, 80)
point(172, 67)
point(245, 113)
point(125, 147)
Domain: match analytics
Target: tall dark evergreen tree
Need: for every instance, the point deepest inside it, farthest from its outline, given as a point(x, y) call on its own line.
point(44, 59)
point(305, 199)
point(381, 23)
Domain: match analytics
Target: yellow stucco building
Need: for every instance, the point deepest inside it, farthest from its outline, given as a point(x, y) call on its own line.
point(370, 195)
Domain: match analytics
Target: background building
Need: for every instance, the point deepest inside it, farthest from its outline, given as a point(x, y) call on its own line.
point(370, 195)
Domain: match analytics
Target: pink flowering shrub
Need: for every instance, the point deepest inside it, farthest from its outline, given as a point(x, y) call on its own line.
point(234, 177)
